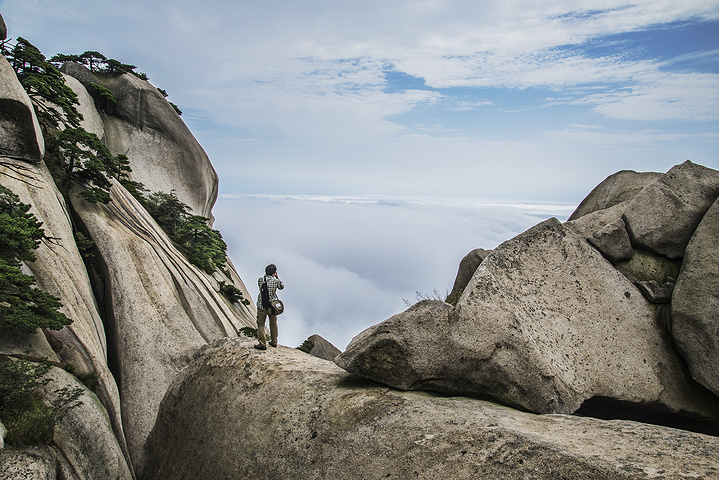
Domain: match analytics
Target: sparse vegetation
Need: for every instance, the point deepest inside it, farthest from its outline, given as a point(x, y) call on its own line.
point(29, 420)
point(72, 153)
point(22, 306)
point(434, 295)
point(251, 332)
point(204, 246)
point(306, 346)
point(232, 293)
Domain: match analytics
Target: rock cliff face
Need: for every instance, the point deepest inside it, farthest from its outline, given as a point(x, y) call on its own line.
point(163, 153)
point(139, 315)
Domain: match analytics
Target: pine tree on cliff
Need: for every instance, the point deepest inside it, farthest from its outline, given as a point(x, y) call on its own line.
point(22, 306)
point(74, 154)
point(44, 84)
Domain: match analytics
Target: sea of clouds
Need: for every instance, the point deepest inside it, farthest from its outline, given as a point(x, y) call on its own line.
point(351, 262)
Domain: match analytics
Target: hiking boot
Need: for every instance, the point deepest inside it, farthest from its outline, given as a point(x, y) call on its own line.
point(259, 346)
point(273, 344)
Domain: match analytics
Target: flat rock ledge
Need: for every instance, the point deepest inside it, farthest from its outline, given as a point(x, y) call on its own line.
point(236, 412)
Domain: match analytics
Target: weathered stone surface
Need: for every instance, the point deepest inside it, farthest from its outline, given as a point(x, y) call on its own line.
point(85, 437)
point(162, 152)
point(3, 434)
point(28, 464)
point(21, 345)
point(3, 29)
point(545, 324)
point(321, 348)
point(162, 307)
point(615, 189)
point(20, 135)
point(467, 266)
point(662, 217)
point(287, 415)
point(613, 241)
point(695, 303)
point(587, 225)
point(91, 120)
point(59, 270)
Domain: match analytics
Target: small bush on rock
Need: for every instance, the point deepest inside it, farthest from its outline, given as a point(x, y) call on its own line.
point(23, 411)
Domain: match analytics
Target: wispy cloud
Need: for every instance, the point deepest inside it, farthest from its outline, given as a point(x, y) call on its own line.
point(307, 89)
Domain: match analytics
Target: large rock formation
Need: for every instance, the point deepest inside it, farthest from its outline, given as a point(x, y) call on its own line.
point(160, 307)
point(20, 135)
point(695, 303)
point(615, 189)
point(286, 414)
point(163, 154)
point(467, 266)
point(59, 269)
point(664, 215)
point(321, 348)
point(142, 310)
point(547, 323)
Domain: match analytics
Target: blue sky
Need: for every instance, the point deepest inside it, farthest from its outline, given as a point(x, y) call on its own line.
point(520, 100)
point(391, 137)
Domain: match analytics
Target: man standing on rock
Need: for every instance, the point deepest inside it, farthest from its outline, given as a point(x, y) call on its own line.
point(264, 309)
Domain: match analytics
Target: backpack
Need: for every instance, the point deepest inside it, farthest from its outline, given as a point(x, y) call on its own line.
point(275, 306)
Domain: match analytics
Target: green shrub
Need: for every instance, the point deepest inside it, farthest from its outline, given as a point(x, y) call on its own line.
point(32, 426)
point(203, 246)
point(248, 332)
point(104, 99)
point(23, 411)
point(232, 293)
point(306, 346)
point(251, 332)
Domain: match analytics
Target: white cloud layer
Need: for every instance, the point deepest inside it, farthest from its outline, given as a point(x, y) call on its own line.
point(350, 262)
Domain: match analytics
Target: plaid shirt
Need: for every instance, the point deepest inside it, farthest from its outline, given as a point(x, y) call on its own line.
point(273, 284)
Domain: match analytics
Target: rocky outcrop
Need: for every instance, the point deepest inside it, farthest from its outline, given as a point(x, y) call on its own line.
point(613, 241)
point(287, 415)
point(695, 303)
point(664, 215)
point(91, 119)
point(20, 135)
point(467, 266)
point(161, 307)
point(615, 189)
point(59, 269)
point(545, 324)
point(85, 446)
point(163, 153)
point(321, 348)
point(85, 438)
